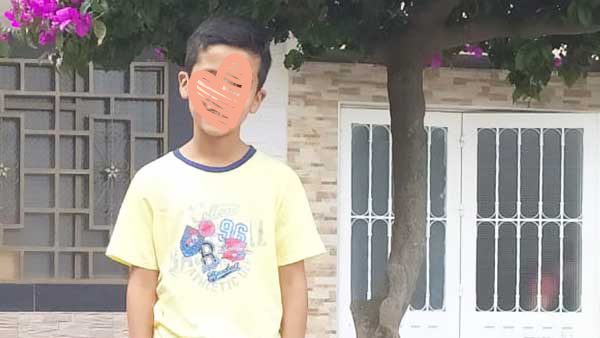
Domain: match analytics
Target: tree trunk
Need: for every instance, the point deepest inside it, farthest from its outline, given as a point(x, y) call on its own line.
point(380, 317)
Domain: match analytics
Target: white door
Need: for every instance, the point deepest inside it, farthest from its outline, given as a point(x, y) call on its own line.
point(365, 219)
point(511, 226)
point(529, 229)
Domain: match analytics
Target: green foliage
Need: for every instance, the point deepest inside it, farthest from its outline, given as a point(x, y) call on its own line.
point(347, 27)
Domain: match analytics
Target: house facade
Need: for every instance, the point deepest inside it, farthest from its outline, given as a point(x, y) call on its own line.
point(512, 194)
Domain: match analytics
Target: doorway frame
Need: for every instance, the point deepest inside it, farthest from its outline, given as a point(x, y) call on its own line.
point(345, 326)
point(368, 113)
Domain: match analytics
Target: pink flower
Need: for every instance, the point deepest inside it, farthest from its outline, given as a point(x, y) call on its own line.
point(436, 61)
point(76, 2)
point(159, 54)
point(83, 25)
point(557, 62)
point(4, 37)
point(47, 37)
point(70, 17)
point(65, 16)
point(43, 8)
point(26, 18)
point(10, 15)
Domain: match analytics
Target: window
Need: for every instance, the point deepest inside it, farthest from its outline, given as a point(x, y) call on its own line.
point(372, 215)
point(529, 219)
point(68, 148)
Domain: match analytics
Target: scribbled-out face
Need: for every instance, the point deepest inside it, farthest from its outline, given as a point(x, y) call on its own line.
point(222, 89)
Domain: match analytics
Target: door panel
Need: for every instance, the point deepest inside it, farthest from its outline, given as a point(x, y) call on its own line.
point(528, 268)
point(366, 220)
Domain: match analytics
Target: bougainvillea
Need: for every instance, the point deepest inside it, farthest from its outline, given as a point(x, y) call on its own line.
point(66, 26)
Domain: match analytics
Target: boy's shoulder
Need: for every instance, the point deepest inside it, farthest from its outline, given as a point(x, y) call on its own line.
point(275, 166)
point(156, 168)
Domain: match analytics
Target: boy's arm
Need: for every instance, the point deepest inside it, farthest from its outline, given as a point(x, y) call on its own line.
point(141, 296)
point(292, 280)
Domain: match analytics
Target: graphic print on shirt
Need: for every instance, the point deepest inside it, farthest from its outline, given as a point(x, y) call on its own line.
point(215, 247)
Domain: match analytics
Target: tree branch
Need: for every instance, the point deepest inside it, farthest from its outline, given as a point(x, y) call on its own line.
point(490, 28)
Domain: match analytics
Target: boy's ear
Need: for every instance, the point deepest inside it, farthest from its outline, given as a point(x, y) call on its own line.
point(258, 99)
point(184, 80)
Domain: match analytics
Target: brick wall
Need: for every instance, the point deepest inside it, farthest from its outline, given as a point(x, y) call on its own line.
point(315, 92)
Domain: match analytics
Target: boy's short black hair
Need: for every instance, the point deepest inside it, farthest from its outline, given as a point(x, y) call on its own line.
point(231, 31)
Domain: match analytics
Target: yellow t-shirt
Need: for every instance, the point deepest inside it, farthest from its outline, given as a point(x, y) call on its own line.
point(217, 236)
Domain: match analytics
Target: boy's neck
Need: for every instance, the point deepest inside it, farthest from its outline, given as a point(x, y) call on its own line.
point(214, 151)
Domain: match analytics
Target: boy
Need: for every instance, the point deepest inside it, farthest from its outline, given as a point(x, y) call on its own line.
point(215, 233)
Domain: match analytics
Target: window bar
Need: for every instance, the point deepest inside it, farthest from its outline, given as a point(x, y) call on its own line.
point(496, 221)
point(57, 186)
point(1, 152)
point(540, 222)
point(21, 184)
point(427, 220)
point(562, 217)
point(518, 224)
point(370, 214)
point(390, 218)
point(22, 76)
point(491, 220)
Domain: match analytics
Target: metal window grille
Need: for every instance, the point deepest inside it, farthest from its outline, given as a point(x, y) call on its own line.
point(372, 215)
point(529, 202)
point(69, 146)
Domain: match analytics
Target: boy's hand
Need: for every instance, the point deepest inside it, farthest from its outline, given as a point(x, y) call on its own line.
point(141, 296)
point(294, 297)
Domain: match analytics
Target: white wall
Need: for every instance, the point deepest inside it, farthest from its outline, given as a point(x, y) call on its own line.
point(267, 129)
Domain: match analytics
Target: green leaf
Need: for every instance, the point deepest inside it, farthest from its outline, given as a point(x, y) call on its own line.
point(569, 74)
point(521, 59)
point(315, 5)
point(572, 11)
point(213, 5)
point(87, 4)
point(323, 14)
point(29, 39)
point(60, 41)
point(547, 55)
point(293, 59)
point(99, 31)
point(584, 13)
point(99, 6)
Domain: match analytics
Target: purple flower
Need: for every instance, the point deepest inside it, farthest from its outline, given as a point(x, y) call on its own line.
point(70, 17)
point(43, 8)
point(47, 37)
point(557, 62)
point(10, 15)
point(4, 37)
point(65, 16)
point(159, 54)
point(76, 2)
point(26, 18)
point(436, 61)
point(83, 25)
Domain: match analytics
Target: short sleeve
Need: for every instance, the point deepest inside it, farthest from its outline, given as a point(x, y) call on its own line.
point(296, 231)
point(132, 240)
